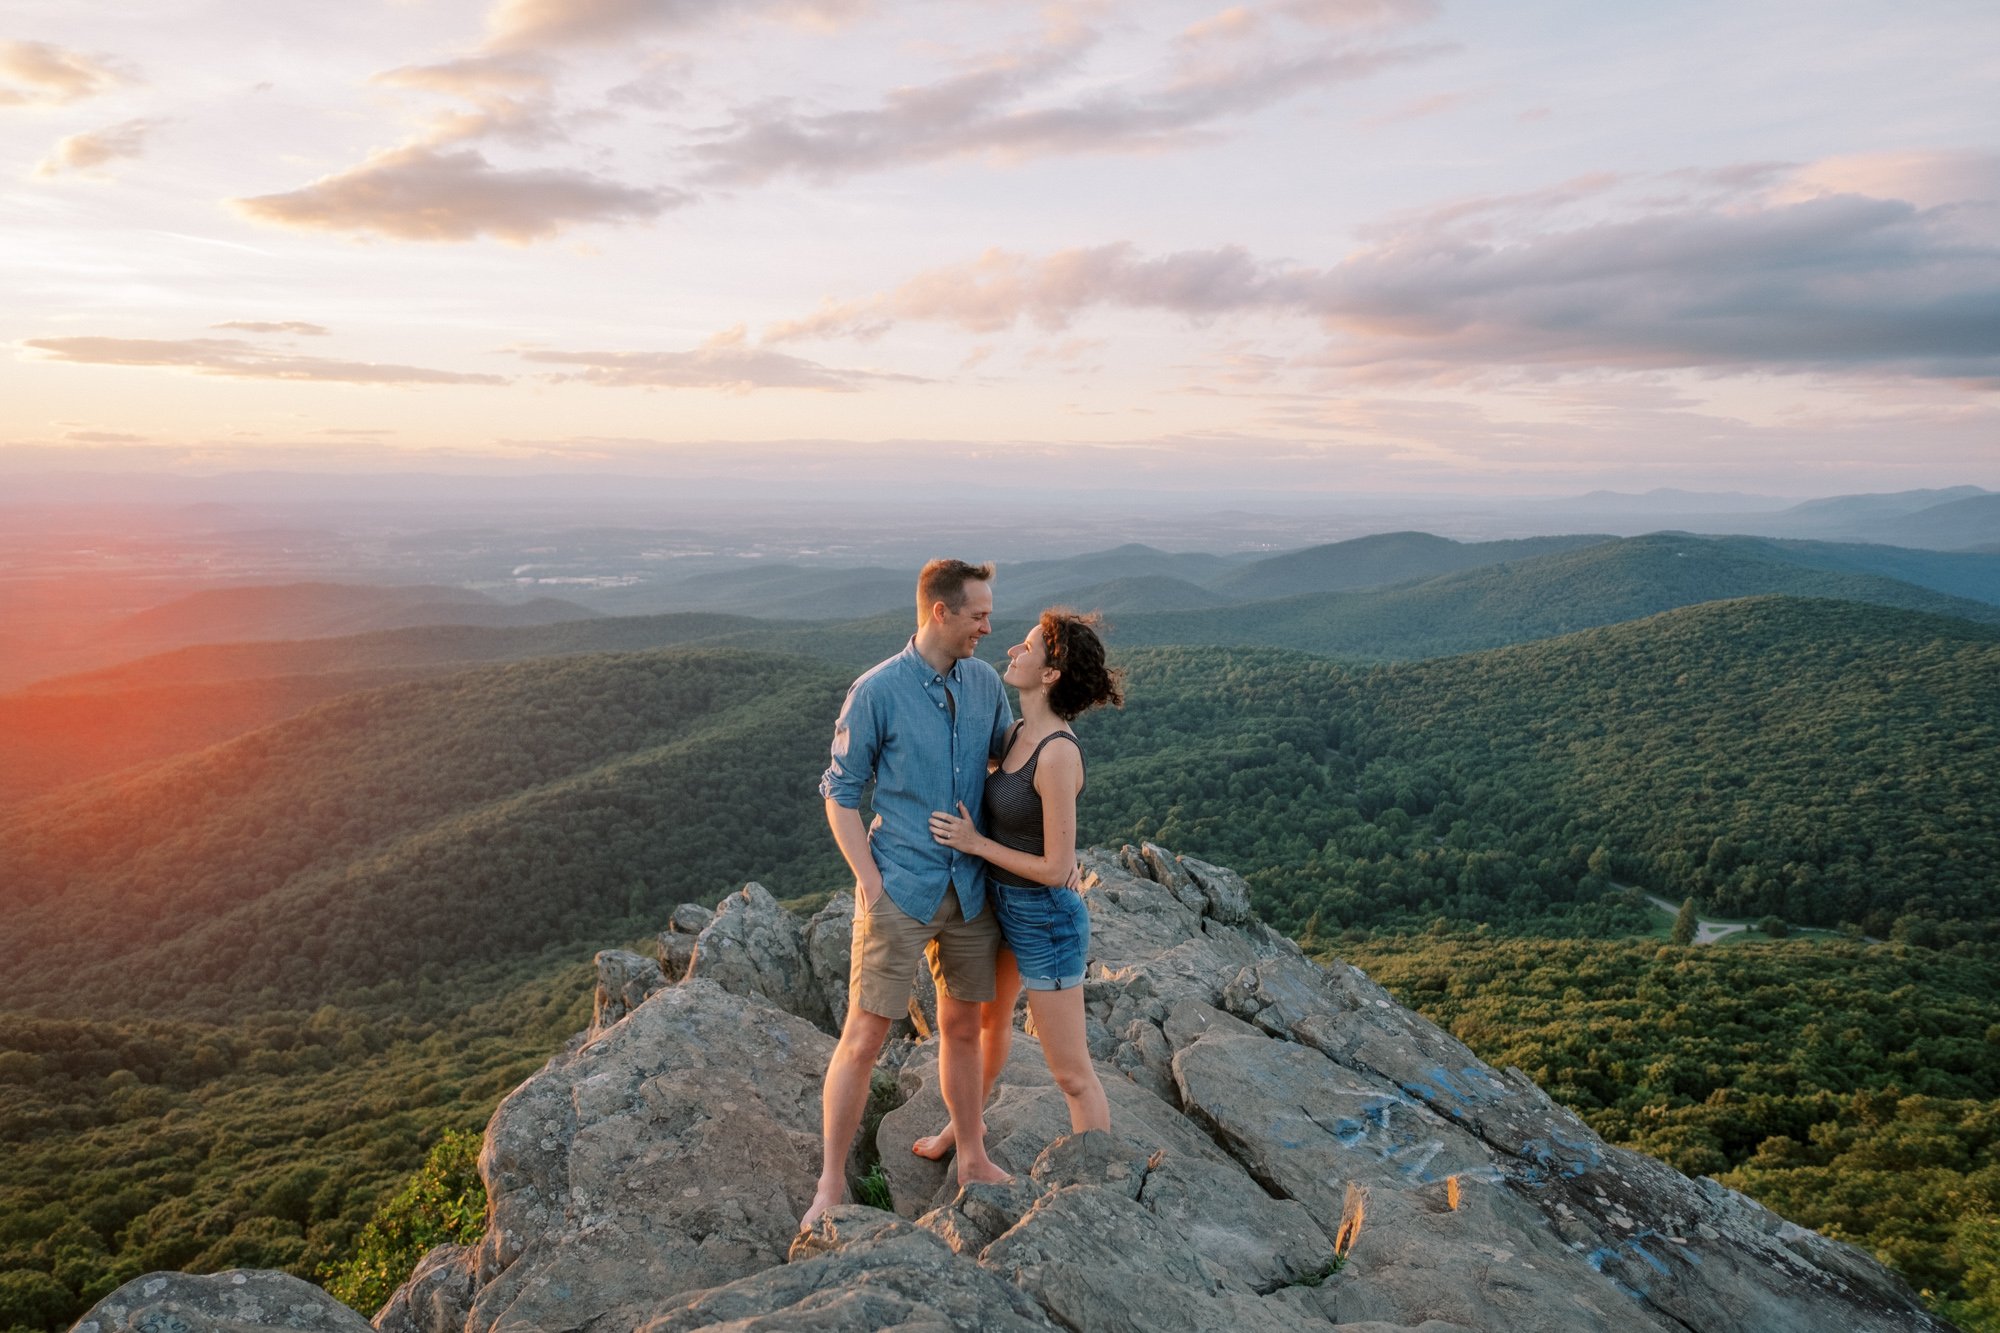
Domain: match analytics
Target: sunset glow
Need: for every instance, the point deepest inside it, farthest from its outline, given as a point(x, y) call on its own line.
point(1357, 245)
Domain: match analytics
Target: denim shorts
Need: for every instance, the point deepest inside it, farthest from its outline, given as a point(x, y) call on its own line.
point(1048, 930)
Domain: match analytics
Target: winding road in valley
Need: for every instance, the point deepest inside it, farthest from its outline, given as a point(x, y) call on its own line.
point(1705, 932)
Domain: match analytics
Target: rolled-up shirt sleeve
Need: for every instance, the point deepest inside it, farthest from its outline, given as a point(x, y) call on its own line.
point(857, 742)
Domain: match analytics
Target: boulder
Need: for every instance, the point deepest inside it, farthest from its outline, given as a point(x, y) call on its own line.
point(436, 1299)
point(861, 1270)
point(239, 1299)
point(829, 939)
point(624, 980)
point(755, 947)
point(671, 1153)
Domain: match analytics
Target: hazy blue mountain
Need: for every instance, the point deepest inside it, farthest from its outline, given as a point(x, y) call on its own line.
point(1956, 525)
point(1115, 597)
point(1380, 560)
point(1958, 573)
point(1532, 599)
point(1038, 583)
point(1841, 509)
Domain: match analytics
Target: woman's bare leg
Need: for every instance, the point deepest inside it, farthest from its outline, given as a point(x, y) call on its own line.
point(996, 1039)
point(1059, 1024)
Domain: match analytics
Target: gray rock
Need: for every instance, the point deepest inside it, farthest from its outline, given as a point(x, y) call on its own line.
point(829, 940)
point(624, 980)
point(1265, 1112)
point(755, 947)
point(856, 1275)
point(1097, 1259)
point(1227, 897)
point(690, 919)
point(239, 1299)
point(672, 1153)
point(436, 1298)
point(676, 953)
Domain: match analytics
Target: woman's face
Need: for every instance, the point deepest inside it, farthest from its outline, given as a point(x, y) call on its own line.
point(1027, 661)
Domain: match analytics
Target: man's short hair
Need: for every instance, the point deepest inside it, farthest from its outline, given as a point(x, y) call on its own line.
point(944, 581)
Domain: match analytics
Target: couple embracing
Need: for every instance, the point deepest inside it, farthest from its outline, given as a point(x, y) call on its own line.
point(994, 910)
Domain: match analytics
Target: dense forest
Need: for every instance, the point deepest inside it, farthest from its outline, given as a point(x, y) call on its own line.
point(131, 1146)
point(1824, 762)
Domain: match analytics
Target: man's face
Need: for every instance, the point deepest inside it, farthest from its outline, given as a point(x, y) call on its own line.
point(973, 621)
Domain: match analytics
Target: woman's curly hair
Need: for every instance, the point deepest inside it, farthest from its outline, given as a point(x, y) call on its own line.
point(1073, 648)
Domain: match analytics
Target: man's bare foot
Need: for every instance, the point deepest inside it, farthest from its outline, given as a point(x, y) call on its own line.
point(982, 1173)
point(937, 1146)
point(827, 1197)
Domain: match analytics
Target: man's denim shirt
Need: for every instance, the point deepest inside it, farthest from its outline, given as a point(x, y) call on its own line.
point(897, 727)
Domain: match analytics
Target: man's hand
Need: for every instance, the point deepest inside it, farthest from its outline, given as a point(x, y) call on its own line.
point(866, 895)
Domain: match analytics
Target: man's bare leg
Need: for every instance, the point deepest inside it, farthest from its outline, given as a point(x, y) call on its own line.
point(996, 1039)
point(958, 1072)
point(843, 1101)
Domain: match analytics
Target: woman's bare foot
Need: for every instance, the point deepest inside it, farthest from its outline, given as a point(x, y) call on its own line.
point(937, 1146)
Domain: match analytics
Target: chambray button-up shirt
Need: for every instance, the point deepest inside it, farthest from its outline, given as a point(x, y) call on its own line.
point(924, 739)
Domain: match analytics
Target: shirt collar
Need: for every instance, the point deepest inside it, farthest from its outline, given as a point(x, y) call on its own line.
point(923, 668)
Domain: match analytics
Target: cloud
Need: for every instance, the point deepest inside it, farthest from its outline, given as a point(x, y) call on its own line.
point(37, 73)
point(80, 152)
point(982, 112)
point(265, 326)
point(102, 437)
point(1833, 283)
point(1923, 178)
point(723, 362)
point(1000, 289)
point(510, 98)
point(420, 193)
point(537, 25)
point(1361, 13)
point(237, 359)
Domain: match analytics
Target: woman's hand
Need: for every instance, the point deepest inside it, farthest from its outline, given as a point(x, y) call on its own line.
point(954, 831)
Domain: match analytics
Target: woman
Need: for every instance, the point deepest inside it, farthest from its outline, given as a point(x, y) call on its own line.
point(1030, 807)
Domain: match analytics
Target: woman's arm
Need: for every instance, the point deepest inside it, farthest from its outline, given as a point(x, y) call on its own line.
point(1058, 778)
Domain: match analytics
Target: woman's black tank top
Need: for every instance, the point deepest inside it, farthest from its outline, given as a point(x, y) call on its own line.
point(1014, 808)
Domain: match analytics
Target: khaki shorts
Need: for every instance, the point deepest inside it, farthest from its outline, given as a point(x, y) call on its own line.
point(887, 941)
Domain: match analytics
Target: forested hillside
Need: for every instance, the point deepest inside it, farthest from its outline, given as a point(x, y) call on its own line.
point(395, 836)
point(1822, 761)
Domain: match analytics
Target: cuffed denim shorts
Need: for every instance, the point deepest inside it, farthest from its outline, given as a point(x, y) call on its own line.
point(1048, 930)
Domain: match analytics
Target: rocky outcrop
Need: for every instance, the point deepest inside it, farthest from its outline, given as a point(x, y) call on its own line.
point(222, 1302)
point(1290, 1150)
point(624, 980)
point(755, 947)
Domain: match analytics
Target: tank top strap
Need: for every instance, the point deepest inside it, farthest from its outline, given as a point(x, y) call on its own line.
point(1035, 758)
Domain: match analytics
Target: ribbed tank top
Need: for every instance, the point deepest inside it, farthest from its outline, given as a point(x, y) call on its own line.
point(1014, 808)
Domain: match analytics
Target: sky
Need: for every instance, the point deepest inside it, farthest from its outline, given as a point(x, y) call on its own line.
point(1297, 247)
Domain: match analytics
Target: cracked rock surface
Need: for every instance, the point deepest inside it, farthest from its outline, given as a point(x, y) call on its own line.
point(1267, 1114)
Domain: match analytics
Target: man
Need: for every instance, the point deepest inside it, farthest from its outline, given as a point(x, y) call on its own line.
point(921, 726)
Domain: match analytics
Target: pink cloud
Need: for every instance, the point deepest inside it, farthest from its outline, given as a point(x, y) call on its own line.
point(40, 73)
point(236, 359)
point(421, 193)
point(82, 152)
